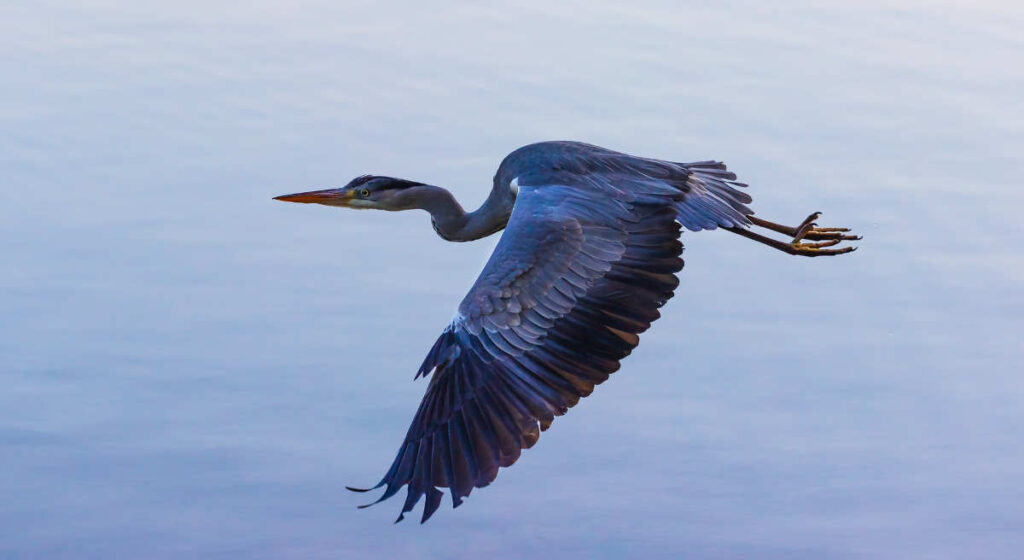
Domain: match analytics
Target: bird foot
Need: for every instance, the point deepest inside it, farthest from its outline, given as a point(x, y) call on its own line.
point(825, 237)
point(808, 229)
point(808, 239)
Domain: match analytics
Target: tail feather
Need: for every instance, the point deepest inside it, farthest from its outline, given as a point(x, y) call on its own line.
point(713, 199)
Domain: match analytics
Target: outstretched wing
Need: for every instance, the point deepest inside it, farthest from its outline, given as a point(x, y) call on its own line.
point(587, 259)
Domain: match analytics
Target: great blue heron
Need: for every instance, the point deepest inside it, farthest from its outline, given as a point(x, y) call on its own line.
point(590, 253)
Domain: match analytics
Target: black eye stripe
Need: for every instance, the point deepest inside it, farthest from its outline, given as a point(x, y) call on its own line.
point(382, 183)
point(359, 180)
point(392, 184)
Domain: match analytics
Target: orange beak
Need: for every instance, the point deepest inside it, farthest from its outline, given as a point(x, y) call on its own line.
point(333, 197)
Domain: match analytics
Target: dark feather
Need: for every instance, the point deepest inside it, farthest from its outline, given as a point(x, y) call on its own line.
point(589, 255)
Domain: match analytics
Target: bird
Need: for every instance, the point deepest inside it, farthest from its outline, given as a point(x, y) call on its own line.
point(590, 251)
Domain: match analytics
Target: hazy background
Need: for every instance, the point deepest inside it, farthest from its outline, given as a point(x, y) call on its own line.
point(190, 369)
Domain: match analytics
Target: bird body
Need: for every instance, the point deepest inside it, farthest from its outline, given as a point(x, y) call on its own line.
point(590, 253)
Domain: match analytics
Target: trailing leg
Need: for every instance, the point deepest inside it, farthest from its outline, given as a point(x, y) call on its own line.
point(822, 238)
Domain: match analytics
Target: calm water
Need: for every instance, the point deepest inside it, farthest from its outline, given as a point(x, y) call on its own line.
point(190, 369)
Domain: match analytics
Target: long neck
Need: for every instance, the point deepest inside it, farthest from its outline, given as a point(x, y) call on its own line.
point(453, 223)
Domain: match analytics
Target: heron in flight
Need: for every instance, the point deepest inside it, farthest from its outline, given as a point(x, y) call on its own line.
point(590, 252)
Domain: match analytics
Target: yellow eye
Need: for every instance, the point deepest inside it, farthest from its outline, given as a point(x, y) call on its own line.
point(364, 193)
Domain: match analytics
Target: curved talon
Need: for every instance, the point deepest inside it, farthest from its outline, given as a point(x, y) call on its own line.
point(808, 220)
point(804, 229)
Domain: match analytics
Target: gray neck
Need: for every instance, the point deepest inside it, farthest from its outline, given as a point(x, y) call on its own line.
point(453, 223)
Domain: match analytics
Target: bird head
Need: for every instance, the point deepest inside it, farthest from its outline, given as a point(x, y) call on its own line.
point(363, 192)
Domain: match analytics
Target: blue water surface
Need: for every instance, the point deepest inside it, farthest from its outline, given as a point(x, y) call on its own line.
point(189, 369)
